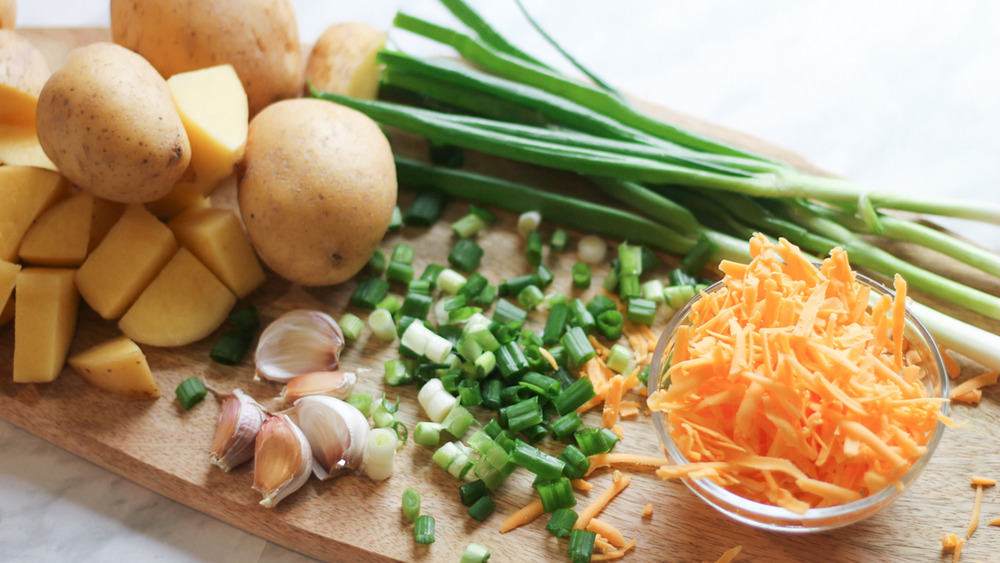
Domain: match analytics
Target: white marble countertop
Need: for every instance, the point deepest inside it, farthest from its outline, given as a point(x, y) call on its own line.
point(900, 94)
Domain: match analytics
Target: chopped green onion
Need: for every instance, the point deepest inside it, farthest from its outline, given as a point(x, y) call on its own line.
point(416, 305)
point(232, 346)
point(450, 281)
point(513, 286)
point(458, 421)
point(487, 295)
point(530, 297)
point(699, 256)
point(535, 433)
point(399, 272)
point(482, 508)
point(381, 322)
point(522, 415)
point(411, 504)
point(423, 530)
point(536, 461)
point(528, 222)
point(562, 521)
point(677, 296)
point(506, 313)
point(574, 396)
point(465, 255)
point(649, 259)
point(541, 385)
point(425, 209)
point(582, 317)
point(492, 428)
point(363, 402)
point(581, 545)
point(566, 425)
point(246, 318)
point(480, 442)
point(641, 311)
point(421, 286)
point(473, 287)
point(389, 303)
point(557, 494)
point(619, 358)
point(591, 249)
point(599, 304)
point(534, 248)
point(545, 276)
point(491, 394)
point(629, 288)
point(483, 213)
point(511, 360)
point(427, 433)
point(577, 463)
point(678, 277)
point(611, 280)
point(190, 392)
point(378, 262)
point(399, 372)
point(369, 292)
point(644, 376)
point(431, 273)
point(630, 260)
point(652, 291)
point(609, 324)
point(472, 491)
point(593, 441)
point(351, 326)
point(485, 364)
point(577, 346)
point(469, 393)
point(475, 553)
point(555, 325)
point(559, 240)
point(581, 275)
point(402, 252)
point(396, 219)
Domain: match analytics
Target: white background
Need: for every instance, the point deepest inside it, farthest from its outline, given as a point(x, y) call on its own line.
point(902, 95)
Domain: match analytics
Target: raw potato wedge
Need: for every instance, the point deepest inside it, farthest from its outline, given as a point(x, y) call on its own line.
point(117, 366)
point(19, 147)
point(343, 60)
point(8, 277)
point(213, 107)
point(44, 322)
point(25, 193)
point(216, 237)
point(184, 304)
point(186, 194)
point(60, 235)
point(126, 261)
point(106, 214)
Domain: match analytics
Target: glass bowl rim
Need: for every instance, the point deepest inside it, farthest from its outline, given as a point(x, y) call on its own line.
point(779, 518)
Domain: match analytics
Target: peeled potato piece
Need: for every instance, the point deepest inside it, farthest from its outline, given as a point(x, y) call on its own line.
point(117, 366)
point(217, 238)
point(60, 235)
point(25, 193)
point(44, 322)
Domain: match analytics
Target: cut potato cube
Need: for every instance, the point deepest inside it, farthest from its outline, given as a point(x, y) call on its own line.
point(216, 237)
point(44, 322)
point(117, 366)
point(213, 106)
point(8, 277)
point(106, 214)
point(17, 107)
point(19, 146)
point(126, 261)
point(184, 304)
point(60, 235)
point(25, 193)
point(186, 194)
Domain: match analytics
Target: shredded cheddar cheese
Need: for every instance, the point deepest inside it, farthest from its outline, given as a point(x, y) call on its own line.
point(523, 516)
point(787, 388)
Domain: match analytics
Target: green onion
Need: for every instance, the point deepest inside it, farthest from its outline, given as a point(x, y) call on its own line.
point(389, 303)
point(484, 214)
point(677, 277)
point(555, 325)
point(458, 421)
point(425, 209)
point(513, 286)
point(421, 286)
point(577, 346)
point(469, 393)
point(534, 248)
point(581, 316)
point(581, 545)
point(369, 292)
point(475, 553)
point(562, 521)
point(511, 361)
point(566, 425)
point(399, 372)
point(528, 221)
point(416, 305)
point(577, 463)
point(581, 275)
point(641, 311)
point(487, 295)
point(363, 402)
point(473, 287)
point(246, 318)
point(506, 313)
point(530, 297)
point(190, 392)
point(396, 219)
point(536, 461)
point(593, 441)
point(699, 256)
point(492, 428)
point(574, 396)
point(676, 296)
point(450, 281)
point(351, 326)
point(557, 494)
point(411, 504)
point(522, 415)
point(423, 530)
point(378, 262)
point(431, 273)
point(232, 346)
point(653, 291)
point(619, 358)
point(491, 389)
point(465, 255)
point(485, 364)
point(472, 491)
point(542, 385)
point(599, 304)
point(535, 433)
point(482, 508)
point(609, 324)
point(545, 276)
point(611, 280)
point(559, 240)
point(427, 433)
point(381, 322)
point(399, 272)
point(402, 252)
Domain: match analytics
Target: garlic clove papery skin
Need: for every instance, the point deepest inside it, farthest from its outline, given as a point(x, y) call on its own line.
point(297, 343)
point(338, 384)
point(240, 418)
point(336, 430)
point(282, 459)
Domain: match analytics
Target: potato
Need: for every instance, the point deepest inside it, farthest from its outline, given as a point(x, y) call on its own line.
point(7, 313)
point(184, 304)
point(117, 366)
point(316, 189)
point(60, 235)
point(21, 64)
point(260, 38)
point(44, 322)
point(8, 275)
point(186, 194)
point(130, 256)
point(8, 14)
point(25, 193)
point(343, 60)
point(107, 121)
point(216, 237)
point(106, 214)
point(19, 146)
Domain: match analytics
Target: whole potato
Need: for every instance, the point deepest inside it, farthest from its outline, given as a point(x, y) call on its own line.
point(317, 187)
point(260, 38)
point(8, 14)
point(21, 64)
point(343, 60)
point(108, 123)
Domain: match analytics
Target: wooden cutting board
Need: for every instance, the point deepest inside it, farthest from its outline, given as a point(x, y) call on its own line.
point(165, 449)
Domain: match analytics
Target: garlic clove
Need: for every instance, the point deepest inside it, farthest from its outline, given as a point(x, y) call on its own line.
point(282, 459)
point(337, 384)
point(240, 419)
point(336, 431)
point(299, 342)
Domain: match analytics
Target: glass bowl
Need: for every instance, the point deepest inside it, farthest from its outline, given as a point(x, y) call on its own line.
point(776, 518)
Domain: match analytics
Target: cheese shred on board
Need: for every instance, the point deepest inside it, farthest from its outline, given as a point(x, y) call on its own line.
point(788, 388)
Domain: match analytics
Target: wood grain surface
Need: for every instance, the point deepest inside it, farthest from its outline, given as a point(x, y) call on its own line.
point(351, 518)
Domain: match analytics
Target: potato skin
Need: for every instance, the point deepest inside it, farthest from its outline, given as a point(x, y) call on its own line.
point(343, 60)
point(21, 64)
point(107, 121)
point(259, 38)
point(8, 14)
point(317, 187)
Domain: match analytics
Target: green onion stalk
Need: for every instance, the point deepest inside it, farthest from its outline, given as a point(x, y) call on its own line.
point(682, 190)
